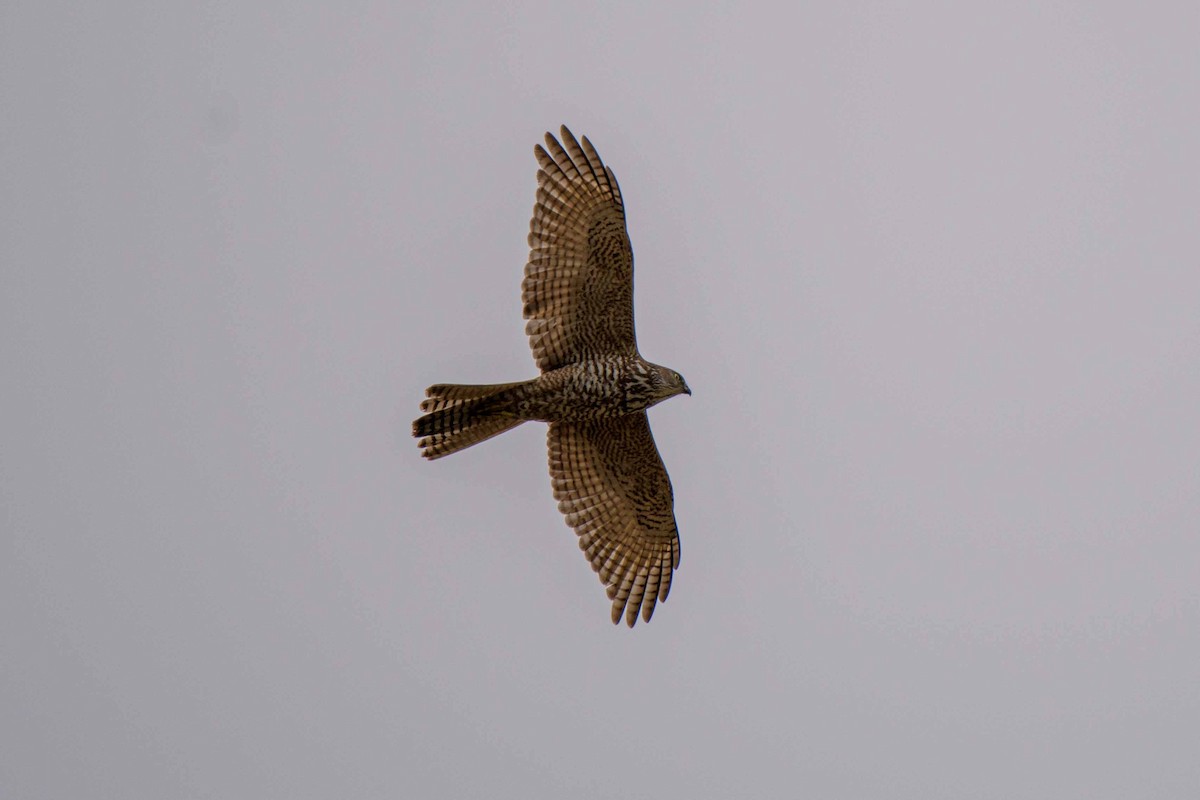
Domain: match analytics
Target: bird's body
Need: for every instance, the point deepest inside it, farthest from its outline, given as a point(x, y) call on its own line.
point(594, 387)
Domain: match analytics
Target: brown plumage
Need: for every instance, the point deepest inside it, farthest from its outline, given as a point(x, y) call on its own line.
point(594, 386)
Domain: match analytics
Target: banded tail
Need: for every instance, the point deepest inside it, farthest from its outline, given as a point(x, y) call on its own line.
point(460, 416)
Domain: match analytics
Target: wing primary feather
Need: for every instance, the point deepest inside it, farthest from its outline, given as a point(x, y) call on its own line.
point(579, 158)
point(597, 167)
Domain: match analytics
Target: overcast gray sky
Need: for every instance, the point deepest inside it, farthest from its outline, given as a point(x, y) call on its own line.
point(931, 270)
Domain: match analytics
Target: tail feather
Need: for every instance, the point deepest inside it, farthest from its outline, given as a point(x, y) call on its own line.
point(445, 395)
point(460, 416)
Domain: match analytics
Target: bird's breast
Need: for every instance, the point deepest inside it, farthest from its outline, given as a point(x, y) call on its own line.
point(587, 390)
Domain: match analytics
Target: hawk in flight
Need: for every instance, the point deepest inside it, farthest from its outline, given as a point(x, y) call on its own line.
point(594, 386)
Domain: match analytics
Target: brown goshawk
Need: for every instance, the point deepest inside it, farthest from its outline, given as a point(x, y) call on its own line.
point(594, 386)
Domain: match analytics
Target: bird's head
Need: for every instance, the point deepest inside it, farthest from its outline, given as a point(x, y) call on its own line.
point(666, 383)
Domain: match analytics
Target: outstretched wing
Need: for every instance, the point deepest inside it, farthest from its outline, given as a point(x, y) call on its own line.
point(578, 287)
point(614, 491)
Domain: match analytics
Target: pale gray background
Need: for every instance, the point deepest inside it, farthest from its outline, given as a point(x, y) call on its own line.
point(932, 270)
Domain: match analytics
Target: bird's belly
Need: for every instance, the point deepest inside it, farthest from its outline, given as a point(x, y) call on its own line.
point(566, 395)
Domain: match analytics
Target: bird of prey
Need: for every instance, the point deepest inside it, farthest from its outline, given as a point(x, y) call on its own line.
point(594, 387)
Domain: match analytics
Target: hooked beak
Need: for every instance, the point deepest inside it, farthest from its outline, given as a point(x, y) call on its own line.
point(687, 390)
